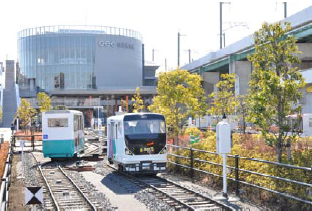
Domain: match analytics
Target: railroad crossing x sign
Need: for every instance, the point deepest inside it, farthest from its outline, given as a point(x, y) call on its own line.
point(33, 195)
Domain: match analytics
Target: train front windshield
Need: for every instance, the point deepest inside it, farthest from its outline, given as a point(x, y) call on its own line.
point(145, 136)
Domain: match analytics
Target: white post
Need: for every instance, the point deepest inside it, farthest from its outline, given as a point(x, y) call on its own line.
point(17, 124)
point(98, 118)
point(224, 176)
point(22, 145)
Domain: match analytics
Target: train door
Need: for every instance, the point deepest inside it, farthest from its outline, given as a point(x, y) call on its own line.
point(111, 146)
point(76, 131)
point(119, 143)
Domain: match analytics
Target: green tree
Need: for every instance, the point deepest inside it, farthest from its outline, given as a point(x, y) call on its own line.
point(137, 101)
point(275, 83)
point(180, 94)
point(242, 111)
point(25, 113)
point(44, 102)
point(224, 100)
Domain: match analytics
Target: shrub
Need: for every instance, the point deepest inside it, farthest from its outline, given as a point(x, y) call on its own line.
point(253, 146)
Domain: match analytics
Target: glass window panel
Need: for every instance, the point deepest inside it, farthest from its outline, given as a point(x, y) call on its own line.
point(57, 122)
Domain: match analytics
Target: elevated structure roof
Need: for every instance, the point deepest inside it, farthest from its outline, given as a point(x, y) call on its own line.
point(218, 61)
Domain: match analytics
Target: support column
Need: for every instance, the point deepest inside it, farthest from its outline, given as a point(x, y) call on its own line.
point(242, 70)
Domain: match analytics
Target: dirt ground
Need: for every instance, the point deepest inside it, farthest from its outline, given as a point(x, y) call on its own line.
point(16, 195)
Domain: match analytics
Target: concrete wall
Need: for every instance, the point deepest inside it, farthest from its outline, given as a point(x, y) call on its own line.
point(306, 100)
point(210, 81)
point(118, 61)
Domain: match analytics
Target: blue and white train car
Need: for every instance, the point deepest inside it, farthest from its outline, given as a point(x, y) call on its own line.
point(136, 142)
point(62, 133)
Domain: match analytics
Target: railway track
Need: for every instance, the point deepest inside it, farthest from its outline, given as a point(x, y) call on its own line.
point(92, 148)
point(63, 190)
point(175, 195)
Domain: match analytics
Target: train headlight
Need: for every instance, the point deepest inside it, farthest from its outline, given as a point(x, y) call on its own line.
point(163, 151)
point(128, 152)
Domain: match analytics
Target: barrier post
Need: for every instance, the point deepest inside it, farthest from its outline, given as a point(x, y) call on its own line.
point(192, 162)
point(33, 142)
point(236, 175)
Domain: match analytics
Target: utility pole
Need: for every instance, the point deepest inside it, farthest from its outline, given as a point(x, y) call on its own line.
point(221, 21)
point(179, 49)
point(179, 35)
point(189, 51)
point(153, 54)
point(223, 40)
point(285, 9)
point(166, 64)
point(221, 25)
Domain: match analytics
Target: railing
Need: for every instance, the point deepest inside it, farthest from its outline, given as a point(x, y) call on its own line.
point(236, 179)
point(25, 138)
point(5, 181)
point(68, 102)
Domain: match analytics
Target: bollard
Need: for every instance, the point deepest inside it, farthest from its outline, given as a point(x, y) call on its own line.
point(2, 140)
point(236, 175)
point(192, 163)
point(33, 142)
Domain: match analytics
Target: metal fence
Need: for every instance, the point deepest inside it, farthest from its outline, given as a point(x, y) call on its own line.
point(5, 181)
point(191, 160)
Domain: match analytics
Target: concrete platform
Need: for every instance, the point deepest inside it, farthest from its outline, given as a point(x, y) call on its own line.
point(118, 196)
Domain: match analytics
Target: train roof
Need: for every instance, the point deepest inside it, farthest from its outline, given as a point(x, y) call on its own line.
point(62, 112)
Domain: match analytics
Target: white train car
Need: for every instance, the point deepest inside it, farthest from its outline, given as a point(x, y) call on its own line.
point(62, 133)
point(136, 142)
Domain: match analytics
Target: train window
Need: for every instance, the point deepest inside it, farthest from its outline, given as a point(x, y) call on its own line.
point(57, 122)
point(81, 122)
point(145, 126)
point(76, 123)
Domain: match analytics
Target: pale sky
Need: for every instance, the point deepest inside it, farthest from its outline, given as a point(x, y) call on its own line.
point(158, 21)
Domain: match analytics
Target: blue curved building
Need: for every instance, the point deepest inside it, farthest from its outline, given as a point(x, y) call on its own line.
point(83, 67)
point(79, 57)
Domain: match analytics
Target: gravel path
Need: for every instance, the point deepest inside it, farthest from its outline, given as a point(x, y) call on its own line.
point(119, 186)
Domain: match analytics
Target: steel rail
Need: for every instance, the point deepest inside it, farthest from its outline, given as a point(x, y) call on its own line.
point(76, 186)
point(222, 206)
point(49, 188)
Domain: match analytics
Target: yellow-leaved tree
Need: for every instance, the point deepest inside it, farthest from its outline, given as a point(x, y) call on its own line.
point(25, 113)
point(137, 101)
point(224, 99)
point(44, 102)
point(180, 94)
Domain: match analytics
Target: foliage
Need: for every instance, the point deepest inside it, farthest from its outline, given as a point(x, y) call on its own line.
point(253, 146)
point(138, 105)
point(25, 113)
point(44, 102)
point(224, 99)
point(180, 95)
point(192, 131)
point(275, 82)
point(242, 111)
